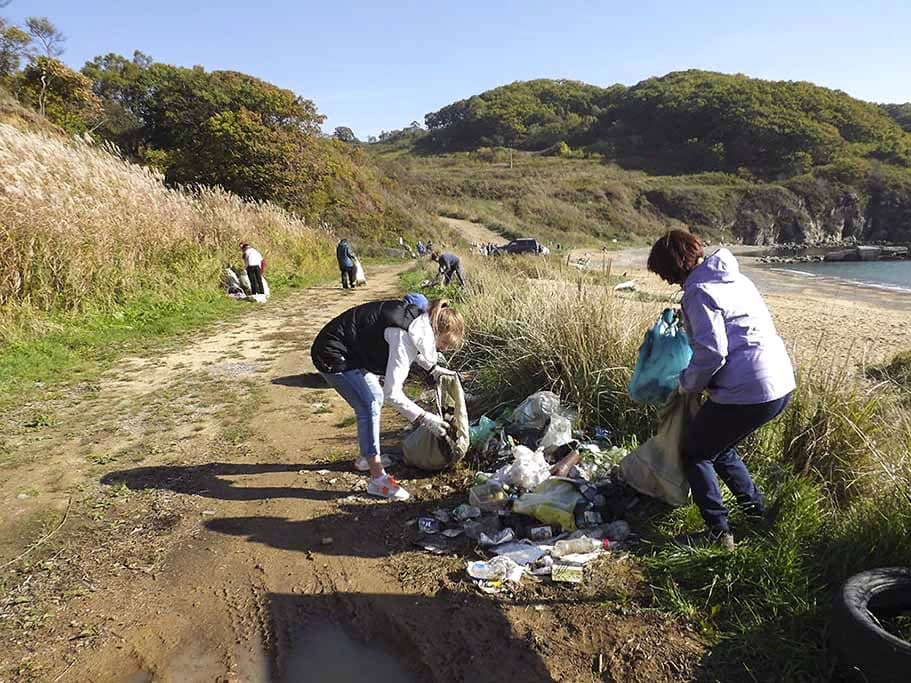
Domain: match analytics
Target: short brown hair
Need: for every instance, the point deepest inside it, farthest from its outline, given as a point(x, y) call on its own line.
point(447, 323)
point(435, 256)
point(675, 255)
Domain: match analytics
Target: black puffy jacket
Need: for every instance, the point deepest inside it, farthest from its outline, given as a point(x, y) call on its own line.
point(355, 339)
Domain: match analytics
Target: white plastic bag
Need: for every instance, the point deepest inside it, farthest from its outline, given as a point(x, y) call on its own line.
point(536, 410)
point(498, 569)
point(266, 290)
point(526, 471)
point(360, 278)
point(559, 432)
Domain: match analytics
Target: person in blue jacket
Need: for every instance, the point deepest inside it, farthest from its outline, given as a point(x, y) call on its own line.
point(345, 258)
point(450, 266)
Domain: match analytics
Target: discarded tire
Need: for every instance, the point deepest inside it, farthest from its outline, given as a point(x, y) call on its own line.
point(864, 650)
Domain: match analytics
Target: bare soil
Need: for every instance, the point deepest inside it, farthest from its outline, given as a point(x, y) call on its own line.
point(476, 233)
point(213, 525)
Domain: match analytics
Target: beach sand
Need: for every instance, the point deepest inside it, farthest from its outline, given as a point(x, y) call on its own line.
point(822, 322)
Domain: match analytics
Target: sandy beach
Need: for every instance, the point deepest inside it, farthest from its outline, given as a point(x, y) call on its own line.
point(819, 319)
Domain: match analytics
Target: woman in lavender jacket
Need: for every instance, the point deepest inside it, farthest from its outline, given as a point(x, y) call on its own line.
point(738, 358)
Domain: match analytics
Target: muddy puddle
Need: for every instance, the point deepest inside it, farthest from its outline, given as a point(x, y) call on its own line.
point(326, 652)
point(320, 652)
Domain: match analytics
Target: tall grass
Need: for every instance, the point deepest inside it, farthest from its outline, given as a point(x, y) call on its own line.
point(835, 468)
point(84, 230)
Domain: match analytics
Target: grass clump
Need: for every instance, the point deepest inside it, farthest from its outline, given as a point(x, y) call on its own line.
point(897, 371)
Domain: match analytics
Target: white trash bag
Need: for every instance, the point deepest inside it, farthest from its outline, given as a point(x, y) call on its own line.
point(537, 409)
point(360, 278)
point(527, 470)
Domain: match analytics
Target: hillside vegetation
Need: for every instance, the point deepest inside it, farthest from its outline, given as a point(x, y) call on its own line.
point(248, 136)
point(686, 121)
point(733, 157)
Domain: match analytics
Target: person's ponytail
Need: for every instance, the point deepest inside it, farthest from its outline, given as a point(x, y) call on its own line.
point(447, 323)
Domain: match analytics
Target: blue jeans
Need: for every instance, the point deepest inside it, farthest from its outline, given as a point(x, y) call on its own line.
point(708, 450)
point(363, 392)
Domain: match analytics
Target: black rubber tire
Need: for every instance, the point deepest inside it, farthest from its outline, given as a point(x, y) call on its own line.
point(864, 651)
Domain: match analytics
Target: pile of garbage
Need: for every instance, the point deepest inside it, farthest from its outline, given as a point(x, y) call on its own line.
point(546, 501)
point(236, 284)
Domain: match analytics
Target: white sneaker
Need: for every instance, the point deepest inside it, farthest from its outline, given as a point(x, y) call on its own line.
point(387, 487)
point(361, 464)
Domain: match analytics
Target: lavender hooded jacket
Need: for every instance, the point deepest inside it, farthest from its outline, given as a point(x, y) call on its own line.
point(737, 353)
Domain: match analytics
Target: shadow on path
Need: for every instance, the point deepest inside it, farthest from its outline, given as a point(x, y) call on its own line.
point(306, 380)
point(208, 481)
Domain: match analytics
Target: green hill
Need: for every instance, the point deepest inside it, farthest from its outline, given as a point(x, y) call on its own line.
point(734, 157)
point(686, 121)
point(901, 113)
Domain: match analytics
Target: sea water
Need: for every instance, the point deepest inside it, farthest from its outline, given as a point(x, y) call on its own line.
point(893, 275)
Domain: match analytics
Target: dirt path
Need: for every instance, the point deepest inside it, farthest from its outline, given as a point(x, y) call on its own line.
point(474, 232)
point(215, 532)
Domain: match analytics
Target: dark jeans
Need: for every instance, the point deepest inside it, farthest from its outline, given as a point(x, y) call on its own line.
point(708, 449)
point(457, 272)
point(348, 277)
point(255, 274)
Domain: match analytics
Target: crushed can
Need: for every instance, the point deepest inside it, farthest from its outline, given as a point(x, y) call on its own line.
point(428, 525)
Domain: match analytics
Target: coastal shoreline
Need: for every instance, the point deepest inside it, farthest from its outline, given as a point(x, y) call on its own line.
point(826, 323)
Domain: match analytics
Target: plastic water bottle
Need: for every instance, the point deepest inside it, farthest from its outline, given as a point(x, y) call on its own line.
point(578, 545)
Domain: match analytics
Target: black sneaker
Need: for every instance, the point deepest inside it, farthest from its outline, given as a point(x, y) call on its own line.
point(762, 519)
point(703, 539)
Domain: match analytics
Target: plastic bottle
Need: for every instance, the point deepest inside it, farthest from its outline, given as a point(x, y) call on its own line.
point(578, 545)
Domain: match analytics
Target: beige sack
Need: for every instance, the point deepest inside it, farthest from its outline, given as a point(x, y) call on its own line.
point(656, 468)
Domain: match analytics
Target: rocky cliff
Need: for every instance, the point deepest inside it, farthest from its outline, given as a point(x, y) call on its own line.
point(812, 211)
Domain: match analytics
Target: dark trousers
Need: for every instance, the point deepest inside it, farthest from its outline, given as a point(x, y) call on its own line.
point(457, 272)
point(348, 277)
point(708, 450)
point(255, 274)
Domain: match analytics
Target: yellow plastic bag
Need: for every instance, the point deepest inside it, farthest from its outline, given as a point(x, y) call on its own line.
point(552, 502)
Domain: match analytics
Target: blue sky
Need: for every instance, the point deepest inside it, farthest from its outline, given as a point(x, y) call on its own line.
point(380, 65)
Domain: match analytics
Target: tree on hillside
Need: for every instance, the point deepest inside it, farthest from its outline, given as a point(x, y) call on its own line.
point(526, 114)
point(901, 113)
point(119, 82)
point(344, 134)
point(14, 47)
point(64, 96)
point(217, 128)
point(685, 121)
point(43, 30)
point(171, 104)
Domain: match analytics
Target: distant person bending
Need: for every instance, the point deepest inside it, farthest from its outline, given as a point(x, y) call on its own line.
point(345, 258)
point(255, 265)
point(742, 362)
point(450, 265)
point(385, 338)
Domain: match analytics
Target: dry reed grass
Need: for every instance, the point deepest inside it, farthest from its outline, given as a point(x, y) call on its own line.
point(83, 229)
